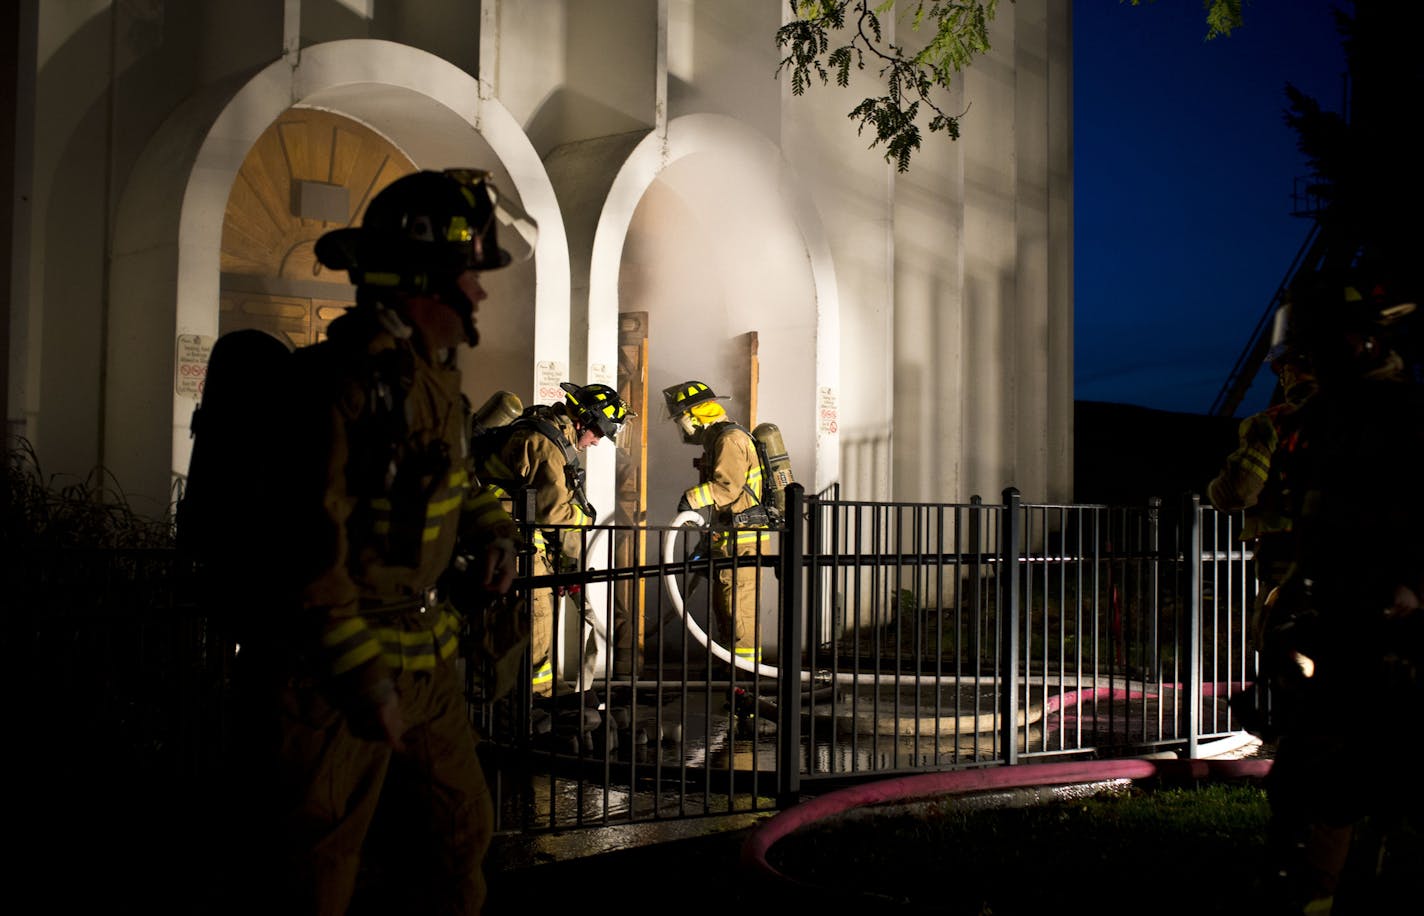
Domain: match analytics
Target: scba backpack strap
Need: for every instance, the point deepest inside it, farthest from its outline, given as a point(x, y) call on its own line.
point(489, 445)
point(765, 512)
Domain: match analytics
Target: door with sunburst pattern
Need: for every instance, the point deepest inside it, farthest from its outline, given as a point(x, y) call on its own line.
point(310, 172)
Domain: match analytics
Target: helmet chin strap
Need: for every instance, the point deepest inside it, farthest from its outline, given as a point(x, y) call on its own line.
point(472, 335)
point(455, 299)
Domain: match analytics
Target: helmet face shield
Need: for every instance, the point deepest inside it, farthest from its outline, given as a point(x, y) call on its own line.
point(423, 229)
point(597, 407)
point(474, 234)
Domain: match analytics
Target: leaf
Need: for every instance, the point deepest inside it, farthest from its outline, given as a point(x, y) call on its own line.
point(911, 80)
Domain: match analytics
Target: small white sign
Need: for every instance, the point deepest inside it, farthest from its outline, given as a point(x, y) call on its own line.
point(828, 421)
point(600, 374)
point(547, 376)
point(190, 364)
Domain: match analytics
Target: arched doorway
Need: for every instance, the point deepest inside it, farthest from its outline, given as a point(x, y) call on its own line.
point(168, 264)
point(310, 172)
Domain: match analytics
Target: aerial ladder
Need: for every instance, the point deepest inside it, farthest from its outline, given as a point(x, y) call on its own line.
point(1248, 364)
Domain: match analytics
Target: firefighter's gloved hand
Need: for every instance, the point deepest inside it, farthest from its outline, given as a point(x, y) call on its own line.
point(683, 505)
point(376, 714)
point(499, 565)
point(1259, 432)
point(392, 723)
point(699, 550)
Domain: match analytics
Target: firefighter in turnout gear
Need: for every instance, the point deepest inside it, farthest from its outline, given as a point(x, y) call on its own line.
point(1259, 477)
point(730, 485)
point(349, 678)
point(541, 451)
point(1346, 631)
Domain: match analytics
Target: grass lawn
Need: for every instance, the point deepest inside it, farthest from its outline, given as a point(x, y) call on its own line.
point(1173, 850)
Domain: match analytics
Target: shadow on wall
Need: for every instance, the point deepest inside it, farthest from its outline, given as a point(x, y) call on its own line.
point(1123, 454)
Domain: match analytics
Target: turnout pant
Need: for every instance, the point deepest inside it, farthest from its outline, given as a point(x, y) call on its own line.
point(734, 602)
point(323, 794)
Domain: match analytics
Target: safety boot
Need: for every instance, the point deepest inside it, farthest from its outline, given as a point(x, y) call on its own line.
point(743, 707)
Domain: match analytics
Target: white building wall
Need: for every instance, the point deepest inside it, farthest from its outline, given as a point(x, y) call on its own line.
point(106, 76)
point(931, 385)
point(1059, 345)
point(936, 362)
point(851, 188)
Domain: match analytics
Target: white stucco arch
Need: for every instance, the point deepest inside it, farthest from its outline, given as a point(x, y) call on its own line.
point(709, 133)
point(166, 264)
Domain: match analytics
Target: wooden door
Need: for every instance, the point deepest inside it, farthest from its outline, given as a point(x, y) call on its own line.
point(310, 172)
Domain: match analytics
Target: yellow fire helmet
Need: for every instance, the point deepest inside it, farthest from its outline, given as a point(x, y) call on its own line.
point(686, 395)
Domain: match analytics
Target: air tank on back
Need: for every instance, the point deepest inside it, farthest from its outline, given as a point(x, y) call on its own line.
point(502, 408)
point(778, 463)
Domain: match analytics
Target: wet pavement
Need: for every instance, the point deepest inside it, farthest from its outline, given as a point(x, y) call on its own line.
point(678, 753)
point(690, 866)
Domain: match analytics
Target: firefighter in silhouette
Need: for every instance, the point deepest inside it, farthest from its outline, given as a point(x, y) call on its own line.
point(1344, 633)
point(1258, 476)
point(349, 675)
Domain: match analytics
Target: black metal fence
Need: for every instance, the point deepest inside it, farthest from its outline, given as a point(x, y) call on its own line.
point(894, 637)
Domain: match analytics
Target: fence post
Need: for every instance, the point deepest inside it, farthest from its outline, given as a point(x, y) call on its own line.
point(811, 548)
point(1192, 556)
point(1154, 553)
point(1009, 538)
point(788, 730)
point(976, 577)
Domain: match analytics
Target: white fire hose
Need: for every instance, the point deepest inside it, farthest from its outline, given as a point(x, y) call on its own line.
point(691, 517)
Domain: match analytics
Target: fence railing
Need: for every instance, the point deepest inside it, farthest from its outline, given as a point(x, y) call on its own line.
point(893, 638)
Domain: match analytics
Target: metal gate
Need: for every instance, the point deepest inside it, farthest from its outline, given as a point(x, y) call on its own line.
point(894, 638)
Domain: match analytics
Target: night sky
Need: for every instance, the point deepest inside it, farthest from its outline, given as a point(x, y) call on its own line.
point(1184, 169)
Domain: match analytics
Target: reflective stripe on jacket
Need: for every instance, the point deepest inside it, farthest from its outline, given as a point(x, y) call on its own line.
point(1256, 477)
point(730, 468)
point(530, 458)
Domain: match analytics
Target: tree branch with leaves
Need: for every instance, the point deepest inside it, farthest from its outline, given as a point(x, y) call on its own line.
point(961, 32)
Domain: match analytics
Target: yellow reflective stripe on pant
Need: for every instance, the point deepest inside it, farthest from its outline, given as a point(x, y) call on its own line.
point(541, 627)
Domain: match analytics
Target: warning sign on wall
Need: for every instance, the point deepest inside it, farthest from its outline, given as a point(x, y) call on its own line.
point(827, 422)
point(190, 364)
point(547, 375)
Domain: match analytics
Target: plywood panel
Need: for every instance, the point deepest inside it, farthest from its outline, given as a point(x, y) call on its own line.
point(632, 485)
